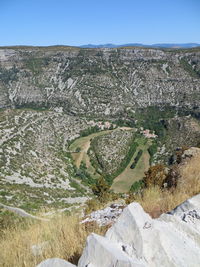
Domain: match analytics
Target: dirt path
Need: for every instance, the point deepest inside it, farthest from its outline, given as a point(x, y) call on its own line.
point(22, 212)
point(83, 152)
point(123, 182)
point(84, 144)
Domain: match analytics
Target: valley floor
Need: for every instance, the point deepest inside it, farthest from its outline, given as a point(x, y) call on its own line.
point(123, 182)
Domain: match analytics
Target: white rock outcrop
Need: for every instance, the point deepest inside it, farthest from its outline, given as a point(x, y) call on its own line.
point(100, 251)
point(106, 216)
point(138, 240)
point(55, 262)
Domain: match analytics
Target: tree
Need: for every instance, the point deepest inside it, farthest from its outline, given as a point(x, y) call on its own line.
point(156, 175)
point(101, 189)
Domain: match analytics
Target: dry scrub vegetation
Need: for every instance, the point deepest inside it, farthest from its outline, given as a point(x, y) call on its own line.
point(156, 200)
point(65, 237)
point(62, 237)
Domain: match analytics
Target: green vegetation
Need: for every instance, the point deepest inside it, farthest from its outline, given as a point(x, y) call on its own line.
point(189, 68)
point(124, 123)
point(84, 175)
point(89, 131)
point(152, 118)
point(35, 65)
point(139, 154)
point(101, 188)
point(123, 165)
point(9, 75)
point(33, 106)
point(155, 176)
point(78, 149)
point(137, 186)
point(124, 181)
point(103, 193)
point(152, 150)
point(9, 219)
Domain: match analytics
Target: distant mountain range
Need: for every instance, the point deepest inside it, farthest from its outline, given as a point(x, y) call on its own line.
point(166, 45)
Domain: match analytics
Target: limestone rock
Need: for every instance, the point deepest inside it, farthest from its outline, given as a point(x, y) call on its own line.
point(101, 252)
point(105, 216)
point(138, 240)
point(55, 262)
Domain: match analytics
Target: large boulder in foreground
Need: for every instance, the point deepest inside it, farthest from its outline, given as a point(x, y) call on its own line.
point(55, 262)
point(100, 251)
point(137, 240)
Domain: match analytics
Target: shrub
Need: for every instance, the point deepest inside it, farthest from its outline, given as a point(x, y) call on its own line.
point(101, 189)
point(92, 205)
point(10, 75)
point(83, 174)
point(179, 153)
point(172, 177)
point(152, 150)
point(137, 186)
point(78, 149)
point(155, 176)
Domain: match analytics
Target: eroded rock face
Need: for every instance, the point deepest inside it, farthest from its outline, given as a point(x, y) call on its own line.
point(116, 80)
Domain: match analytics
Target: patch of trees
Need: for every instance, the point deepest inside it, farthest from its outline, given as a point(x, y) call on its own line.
point(84, 175)
point(139, 154)
point(125, 123)
point(89, 131)
point(162, 176)
point(125, 162)
point(10, 75)
point(152, 150)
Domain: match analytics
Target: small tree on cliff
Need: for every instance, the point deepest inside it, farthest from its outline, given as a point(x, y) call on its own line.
point(101, 189)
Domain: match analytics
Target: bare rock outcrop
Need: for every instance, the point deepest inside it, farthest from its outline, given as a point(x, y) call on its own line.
point(115, 79)
point(55, 262)
point(138, 240)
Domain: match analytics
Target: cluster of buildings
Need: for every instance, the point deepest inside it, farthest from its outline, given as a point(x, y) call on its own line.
point(102, 125)
point(148, 134)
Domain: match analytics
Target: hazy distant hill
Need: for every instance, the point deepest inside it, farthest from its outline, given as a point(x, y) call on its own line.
point(166, 45)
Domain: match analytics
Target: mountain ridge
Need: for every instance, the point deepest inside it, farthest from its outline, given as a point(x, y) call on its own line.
point(156, 45)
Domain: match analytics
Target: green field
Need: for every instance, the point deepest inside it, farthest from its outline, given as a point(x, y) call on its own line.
point(84, 144)
point(124, 181)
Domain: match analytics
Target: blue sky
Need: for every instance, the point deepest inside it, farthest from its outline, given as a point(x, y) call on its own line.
point(76, 22)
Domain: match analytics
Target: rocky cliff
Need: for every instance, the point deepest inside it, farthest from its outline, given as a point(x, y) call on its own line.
point(138, 240)
point(48, 95)
point(99, 82)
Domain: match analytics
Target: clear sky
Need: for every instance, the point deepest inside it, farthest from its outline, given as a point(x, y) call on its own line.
point(77, 22)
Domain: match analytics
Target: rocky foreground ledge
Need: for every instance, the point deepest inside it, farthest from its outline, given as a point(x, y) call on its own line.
point(138, 240)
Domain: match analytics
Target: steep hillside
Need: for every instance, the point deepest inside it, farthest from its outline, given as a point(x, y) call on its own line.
point(50, 95)
point(35, 165)
point(99, 82)
point(177, 132)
